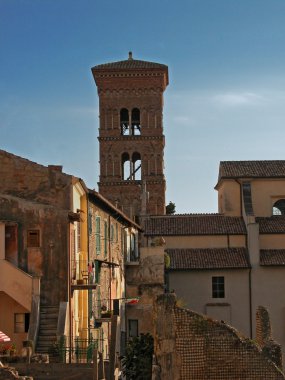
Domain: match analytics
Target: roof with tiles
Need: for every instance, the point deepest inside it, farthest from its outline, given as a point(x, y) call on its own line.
point(271, 225)
point(194, 224)
point(272, 257)
point(130, 64)
point(208, 258)
point(252, 169)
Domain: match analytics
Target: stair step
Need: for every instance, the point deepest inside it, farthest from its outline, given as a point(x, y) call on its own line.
point(45, 332)
point(48, 315)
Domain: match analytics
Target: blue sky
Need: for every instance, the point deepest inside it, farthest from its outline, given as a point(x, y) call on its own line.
point(225, 100)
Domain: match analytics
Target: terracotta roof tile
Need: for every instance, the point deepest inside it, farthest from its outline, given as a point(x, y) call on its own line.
point(208, 258)
point(271, 225)
point(194, 224)
point(272, 257)
point(252, 169)
point(129, 64)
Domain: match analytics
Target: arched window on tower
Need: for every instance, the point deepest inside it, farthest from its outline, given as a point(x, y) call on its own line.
point(126, 166)
point(136, 166)
point(136, 122)
point(124, 121)
point(279, 207)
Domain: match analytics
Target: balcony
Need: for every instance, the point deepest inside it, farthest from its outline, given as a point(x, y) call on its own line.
point(82, 276)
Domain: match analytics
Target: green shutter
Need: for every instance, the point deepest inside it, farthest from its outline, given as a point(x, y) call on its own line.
point(98, 235)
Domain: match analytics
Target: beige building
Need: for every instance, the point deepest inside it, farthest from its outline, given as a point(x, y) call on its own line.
point(227, 264)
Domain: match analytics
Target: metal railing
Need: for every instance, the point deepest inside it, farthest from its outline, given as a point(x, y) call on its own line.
point(80, 352)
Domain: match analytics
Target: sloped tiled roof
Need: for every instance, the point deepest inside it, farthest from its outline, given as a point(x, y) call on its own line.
point(252, 169)
point(130, 64)
point(272, 225)
point(272, 257)
point(194, 224)
point(208, 258)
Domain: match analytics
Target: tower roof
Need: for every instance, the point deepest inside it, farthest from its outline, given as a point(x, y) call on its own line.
point(130, 64)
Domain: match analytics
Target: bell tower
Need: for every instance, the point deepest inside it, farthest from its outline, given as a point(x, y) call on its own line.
point(131, 136)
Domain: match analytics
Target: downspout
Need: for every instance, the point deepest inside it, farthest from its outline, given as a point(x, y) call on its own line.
point(250, 269)
point(88, 258)
point(69, 290)
point(110, 258)
point(250, 303)
point(250, 295)
point(110, 275)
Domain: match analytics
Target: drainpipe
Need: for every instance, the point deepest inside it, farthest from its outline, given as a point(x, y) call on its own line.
point(110, 275)
point(69, 290)
point(250, 303)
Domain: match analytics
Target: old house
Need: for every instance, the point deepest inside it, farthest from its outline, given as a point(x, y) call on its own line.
point(63, 254)
point(34, 213)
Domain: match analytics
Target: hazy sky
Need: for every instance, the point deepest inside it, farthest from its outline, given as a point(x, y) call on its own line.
point(225, 100)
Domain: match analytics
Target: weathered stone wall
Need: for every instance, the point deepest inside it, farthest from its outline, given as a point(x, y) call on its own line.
point(145, 281)
point(263, 337)
point(190, 346)
point(29, 180)
point(49, 260)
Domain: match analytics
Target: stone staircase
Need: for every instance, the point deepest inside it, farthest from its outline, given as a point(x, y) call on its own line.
point(47, 329)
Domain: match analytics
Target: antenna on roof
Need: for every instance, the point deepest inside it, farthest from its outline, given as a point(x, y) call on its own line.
point(130, 55)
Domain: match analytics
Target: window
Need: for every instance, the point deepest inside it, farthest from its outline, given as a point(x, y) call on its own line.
point(124, 121)
point(136, 124)
point(133, 328)
point(98, 235)
point(21, 322)
point(218, 287)
point(131, 167)
point(279, 207)
point(33, 238)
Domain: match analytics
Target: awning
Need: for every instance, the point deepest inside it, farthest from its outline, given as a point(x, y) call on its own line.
point(4, 337)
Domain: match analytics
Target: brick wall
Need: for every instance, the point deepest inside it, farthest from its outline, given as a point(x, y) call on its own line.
point(190, 346)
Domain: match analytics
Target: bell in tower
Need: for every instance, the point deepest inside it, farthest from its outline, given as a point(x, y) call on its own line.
point(131, 136)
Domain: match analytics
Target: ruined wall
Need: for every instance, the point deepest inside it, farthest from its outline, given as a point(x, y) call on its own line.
point(26, 179)
point(145, 280)
point(264, 339)
point(189, 346)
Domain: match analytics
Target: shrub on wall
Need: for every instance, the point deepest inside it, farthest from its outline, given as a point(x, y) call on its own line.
point(137, 363)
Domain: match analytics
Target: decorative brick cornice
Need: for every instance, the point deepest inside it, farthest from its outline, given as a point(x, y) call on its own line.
point(127, 91)
point(130, 138)
point(131, 183)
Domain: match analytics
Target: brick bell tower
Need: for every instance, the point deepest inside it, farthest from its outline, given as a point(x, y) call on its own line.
point(131, 134)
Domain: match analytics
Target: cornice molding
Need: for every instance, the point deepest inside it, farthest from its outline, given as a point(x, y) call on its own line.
point(130, 138)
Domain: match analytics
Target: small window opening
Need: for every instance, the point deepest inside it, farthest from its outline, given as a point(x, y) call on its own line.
point(126, 166)
point(136, 166)
point(33, 238)
point(21, 322)
point(133, 328)
point(136, 123)
point(218, 287)
point(124, 121)
point(279, 207)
